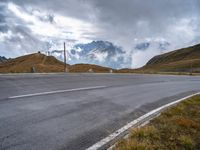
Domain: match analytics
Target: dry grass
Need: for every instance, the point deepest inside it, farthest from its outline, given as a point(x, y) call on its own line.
point(178, 128)
point(182, 60)
point(89, 68)
point(192, 65)
point(179, 62)
point(25, 64)
point(43, 63)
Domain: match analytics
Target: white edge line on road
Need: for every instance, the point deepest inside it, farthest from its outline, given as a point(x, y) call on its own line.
point(57, 91)
point(134, 122)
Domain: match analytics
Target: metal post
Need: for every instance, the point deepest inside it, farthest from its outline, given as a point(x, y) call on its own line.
point(64, 58)
point(191, 70)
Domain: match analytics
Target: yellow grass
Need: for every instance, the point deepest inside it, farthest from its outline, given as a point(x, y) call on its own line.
point(178, 128)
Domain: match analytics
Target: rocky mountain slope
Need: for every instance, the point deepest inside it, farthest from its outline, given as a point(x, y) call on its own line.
point(101, 53)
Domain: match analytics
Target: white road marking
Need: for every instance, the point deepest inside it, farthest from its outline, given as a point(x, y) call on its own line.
point(57, 91)
point(134, 122)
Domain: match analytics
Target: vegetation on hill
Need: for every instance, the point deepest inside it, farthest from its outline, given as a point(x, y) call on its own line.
point(41, 63)
point(89, 68)
point(182, 60)
point(177, 128)
point(32, 63)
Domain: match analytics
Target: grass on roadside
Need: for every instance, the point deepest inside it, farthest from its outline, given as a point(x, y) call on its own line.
point(177, 128)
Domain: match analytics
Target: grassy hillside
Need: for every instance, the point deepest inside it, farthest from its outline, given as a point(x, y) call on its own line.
point(89, 68)
point(41, 63)
point(125, 70)
point(182, 60)
point(34, 62)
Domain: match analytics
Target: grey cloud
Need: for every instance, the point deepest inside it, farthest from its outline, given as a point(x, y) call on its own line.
point(20, 39)
point(144, 18)
point(128, 18)
point(4, 27)
point(48, 18)
point(119, 21)
point(80, 9)
point(27, 42)
point(2, 17)
point(45, 18)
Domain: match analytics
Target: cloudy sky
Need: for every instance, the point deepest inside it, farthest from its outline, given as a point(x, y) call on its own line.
point(30, 25)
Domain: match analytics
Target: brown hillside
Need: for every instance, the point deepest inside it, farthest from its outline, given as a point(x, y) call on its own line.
point(89, 68)
point(125, 70)
point(41, 63)
point(29, 63)
point(182, 60)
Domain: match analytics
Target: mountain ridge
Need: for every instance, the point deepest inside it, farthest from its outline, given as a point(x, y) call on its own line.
point(3, 59)
point(101, 53)
point(41, 63)
point(181, 60)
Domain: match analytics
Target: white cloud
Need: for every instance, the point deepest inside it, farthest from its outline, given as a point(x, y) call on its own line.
point(139, 58)
point(46, 24)
point(62, 28)
point(5, 36)
point(100, 56)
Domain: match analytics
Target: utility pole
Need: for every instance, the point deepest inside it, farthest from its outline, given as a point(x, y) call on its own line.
point(191, 66)
point(64, 59)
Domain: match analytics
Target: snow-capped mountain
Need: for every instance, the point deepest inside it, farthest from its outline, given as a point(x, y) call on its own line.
point(3, 59)
point(97, 52)
point(105, 53)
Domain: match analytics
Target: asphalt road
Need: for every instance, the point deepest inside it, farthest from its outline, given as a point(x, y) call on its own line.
point(76, 119)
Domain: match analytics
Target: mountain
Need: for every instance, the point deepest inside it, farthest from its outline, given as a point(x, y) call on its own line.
point(32, 63)
point(181, 60)
point(3, 59)
point(107, 54)
point(102, 53)
point(38, 62)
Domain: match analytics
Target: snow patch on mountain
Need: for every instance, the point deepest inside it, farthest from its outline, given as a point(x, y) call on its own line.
point(97, 52)
point(105, 53)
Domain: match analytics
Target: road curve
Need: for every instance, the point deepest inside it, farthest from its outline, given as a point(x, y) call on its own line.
point(74, 111)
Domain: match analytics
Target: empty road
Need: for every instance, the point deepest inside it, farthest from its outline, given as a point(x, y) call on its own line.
point(74, 111)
